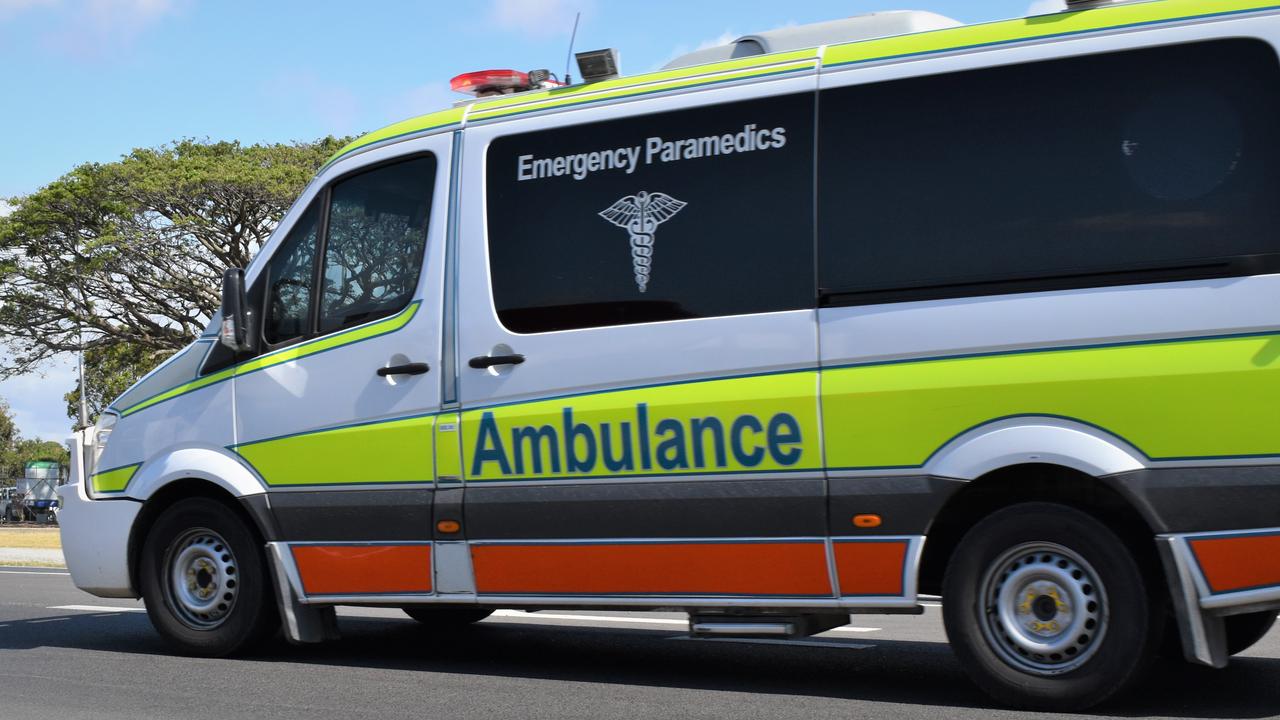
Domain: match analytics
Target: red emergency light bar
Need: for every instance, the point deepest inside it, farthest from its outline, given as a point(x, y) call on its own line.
point(490, 82)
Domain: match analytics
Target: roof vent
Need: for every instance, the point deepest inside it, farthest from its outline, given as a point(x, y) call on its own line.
point(831, 32)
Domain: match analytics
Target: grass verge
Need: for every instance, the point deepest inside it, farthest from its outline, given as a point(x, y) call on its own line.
point(32, 564)
point(41, 538)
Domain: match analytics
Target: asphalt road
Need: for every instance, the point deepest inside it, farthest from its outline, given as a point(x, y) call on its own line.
point(65, 654)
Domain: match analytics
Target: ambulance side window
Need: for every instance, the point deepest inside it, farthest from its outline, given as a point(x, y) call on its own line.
point(371, 230)
point(693, 213)
point(1148, 165)
point(376, 237)
point(289, 280)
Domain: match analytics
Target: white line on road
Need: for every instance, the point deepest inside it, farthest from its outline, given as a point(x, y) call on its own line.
point(30, 572)
point(97, 608)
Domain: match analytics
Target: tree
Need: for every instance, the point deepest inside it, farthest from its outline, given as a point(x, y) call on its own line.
point(129, 255)
point(16, 452)
point(109, 370)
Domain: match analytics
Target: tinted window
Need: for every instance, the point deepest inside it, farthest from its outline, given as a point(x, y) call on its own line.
point(687, 214)
point(289, 281)
point(1139, 166)
point(375, 241)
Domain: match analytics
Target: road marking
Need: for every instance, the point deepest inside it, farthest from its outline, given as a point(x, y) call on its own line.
point(45, 620)
point(779, 641)
point(97, 608)
point(30, 572)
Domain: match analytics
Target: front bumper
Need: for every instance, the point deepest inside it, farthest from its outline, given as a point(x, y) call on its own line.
point(1216, 574)
point(95, 541)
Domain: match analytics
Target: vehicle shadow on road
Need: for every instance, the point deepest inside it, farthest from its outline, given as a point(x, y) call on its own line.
point(900, 672)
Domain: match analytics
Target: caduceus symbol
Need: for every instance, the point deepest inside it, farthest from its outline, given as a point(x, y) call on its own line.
point(640, 215)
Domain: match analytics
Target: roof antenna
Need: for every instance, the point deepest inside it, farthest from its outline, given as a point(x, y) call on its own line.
point(568, 79)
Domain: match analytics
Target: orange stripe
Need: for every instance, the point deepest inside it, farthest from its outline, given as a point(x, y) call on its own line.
point(359, 569)
point(783, 568)
point(874, 567)
point(1239, 563)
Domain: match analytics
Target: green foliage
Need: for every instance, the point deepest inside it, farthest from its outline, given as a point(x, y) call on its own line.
point(128, 256)
point(16, 452)
point(109, 370)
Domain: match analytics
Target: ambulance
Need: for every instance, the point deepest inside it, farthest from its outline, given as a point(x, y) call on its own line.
point(812, 324)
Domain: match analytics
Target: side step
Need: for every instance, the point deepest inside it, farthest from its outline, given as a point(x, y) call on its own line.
point(777, 626)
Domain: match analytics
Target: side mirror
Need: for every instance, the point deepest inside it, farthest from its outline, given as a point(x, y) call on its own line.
point(235, 332)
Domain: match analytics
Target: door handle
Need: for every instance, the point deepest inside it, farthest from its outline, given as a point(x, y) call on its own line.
point(406, 369)
point(481, 362)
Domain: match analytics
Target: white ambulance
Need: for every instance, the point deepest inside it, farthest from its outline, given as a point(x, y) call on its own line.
point(801, 326)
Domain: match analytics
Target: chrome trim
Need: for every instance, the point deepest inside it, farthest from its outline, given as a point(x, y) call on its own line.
point(710, 628)
point(657, 541)
point(279, 552)
point(339, 487)
point(347, 543)
point(449, 313)
point(1181, 577)
point(833, 575)
point(1257, 596)
point(812, 473)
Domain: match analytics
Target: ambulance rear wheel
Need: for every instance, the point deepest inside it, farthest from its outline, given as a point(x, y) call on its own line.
point(444, 618)
point(1047, 608)
point(205, 581)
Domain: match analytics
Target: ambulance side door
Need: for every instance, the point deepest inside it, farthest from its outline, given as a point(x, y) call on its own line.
point(637, 344)
point(337, 416)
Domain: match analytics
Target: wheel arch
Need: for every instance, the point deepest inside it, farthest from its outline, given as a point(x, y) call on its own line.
point(255, 515)
point(1034, 482)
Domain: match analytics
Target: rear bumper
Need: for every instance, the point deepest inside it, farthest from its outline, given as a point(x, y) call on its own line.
point(1216, 574)
point(95, 541)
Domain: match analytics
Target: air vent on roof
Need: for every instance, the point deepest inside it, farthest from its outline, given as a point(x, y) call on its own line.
point(798, 37)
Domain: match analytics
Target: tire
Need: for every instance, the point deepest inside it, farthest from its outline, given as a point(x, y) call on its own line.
point(446, 618)
point(227, 602)
point(1244, 631)
point(1047, 608)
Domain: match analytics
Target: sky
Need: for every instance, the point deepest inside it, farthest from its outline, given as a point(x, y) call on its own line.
point(89, 80)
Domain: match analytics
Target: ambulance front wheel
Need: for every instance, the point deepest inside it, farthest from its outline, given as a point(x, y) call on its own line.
point(1047, 608)
point(205, 581)
point(445, 618)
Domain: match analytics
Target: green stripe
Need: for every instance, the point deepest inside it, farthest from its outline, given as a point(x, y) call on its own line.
point(293, 352)
point(114, 480)
point(1217, 398)
point(1036, 28)
point(394, 451)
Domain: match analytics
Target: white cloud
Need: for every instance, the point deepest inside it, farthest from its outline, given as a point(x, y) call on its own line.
point(539, 18)
point(724, 38)
point(92, 28)
point(39, 410)
point(1046, 7)
point(5, 208)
